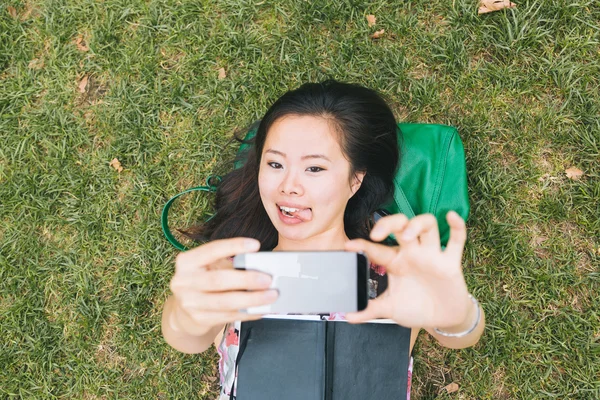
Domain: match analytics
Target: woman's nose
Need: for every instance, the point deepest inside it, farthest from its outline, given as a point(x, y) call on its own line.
point(291, 184)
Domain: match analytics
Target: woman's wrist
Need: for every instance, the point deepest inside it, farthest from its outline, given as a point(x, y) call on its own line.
point(176, 320)
point(176, 336)
point(469, 324)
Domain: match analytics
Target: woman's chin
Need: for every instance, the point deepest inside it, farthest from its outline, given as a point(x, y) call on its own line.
point(295, 233)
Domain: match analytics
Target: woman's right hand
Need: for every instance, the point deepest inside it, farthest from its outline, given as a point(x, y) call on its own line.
point(209, 292)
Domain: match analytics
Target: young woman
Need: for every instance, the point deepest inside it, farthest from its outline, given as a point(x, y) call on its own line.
point(323, 160)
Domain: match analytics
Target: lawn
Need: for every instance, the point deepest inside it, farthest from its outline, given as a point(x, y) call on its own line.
point(84, 268)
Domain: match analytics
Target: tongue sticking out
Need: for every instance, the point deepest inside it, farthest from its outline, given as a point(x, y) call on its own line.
point(304, 215)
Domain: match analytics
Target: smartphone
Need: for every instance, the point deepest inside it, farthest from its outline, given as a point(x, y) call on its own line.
point(311, 282)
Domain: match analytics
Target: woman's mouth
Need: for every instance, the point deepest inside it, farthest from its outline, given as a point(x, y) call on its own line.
point(295, 215)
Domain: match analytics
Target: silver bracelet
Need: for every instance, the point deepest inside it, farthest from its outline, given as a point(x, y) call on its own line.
point(471, 329)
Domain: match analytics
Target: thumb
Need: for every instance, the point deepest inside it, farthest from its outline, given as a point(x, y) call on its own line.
point(375, 309)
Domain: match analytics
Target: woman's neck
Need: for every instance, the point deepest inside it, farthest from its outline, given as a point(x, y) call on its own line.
point(329, 240)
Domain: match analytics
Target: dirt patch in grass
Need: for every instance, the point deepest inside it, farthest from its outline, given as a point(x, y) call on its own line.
point(499, 389)
point(477, 60)
point(419, 70)
point(584, 266)
point(538, 236)
point(567, 235)
point(95, 90)
point(430, 373)
point(90, 396)
point(59, 311)
point(578, 239)
point(58, 237)
point(124, 188)
point(172, 59)
point(106, 352)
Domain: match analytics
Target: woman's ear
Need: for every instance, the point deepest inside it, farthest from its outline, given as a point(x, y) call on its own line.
point(357, 181)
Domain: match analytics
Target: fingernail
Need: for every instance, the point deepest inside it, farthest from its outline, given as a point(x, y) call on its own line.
point(409, 234)
point(264, 280)
point(377, 231)
point(252, 244)
point(271, 294)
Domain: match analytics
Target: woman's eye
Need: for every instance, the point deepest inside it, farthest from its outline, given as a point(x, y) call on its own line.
point(274, 165)
point(315, 169)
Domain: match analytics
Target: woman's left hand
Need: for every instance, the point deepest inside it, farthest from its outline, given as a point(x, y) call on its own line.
point(426, 286)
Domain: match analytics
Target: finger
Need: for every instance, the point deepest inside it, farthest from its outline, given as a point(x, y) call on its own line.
point(221, 281)
point(210, 252)
point(218, 317)
point(228, 301)
point(388, 225)
point(376, 253)
point(424, 227)
point(458, 234)
point(375, 309)
point(196, 322)
point(223, 263)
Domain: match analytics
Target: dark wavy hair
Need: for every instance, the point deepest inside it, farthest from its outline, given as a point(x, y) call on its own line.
point(368, 135)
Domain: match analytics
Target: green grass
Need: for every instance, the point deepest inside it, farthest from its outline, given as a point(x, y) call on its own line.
point(84, 268)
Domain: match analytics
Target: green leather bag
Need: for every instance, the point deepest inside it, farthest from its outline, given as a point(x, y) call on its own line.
point(432, 177)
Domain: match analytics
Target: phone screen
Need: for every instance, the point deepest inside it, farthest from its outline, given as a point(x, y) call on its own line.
point(311, 282)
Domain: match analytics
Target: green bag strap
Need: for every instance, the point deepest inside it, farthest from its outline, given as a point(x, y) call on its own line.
point(401, 200)
point(164, 219)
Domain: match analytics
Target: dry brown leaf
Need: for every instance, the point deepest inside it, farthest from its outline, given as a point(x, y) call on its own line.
point(211, 378)
point(81, 44)
point(487, 6)
point(116, 165)
point(83, 83)
point(36, 64)
point(28, 11)
point(378, 34)
point(574, 173)
point(451, 388)
point(12, 11)
point(371, 20)
point(222, 74)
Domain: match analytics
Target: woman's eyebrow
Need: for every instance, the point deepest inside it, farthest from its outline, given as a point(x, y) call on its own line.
point(324, 157)
point(316, 156)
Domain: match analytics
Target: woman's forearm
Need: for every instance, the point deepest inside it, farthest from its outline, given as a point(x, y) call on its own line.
point(466, 341)
point(181, 340)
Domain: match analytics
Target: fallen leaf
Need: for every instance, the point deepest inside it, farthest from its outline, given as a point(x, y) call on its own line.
point(81, 44)
point(378, 34)
point(222, 74)
point(12, 11)
point(451, 388)
point(574, 173)
point(371, 20)
point(487, 6)
point(83, 84)
point(36, 64)
point(28, 11)
point(116, 165)
point(211, 378)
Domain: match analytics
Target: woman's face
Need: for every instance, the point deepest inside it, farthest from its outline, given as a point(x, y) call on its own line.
point(304, 179)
